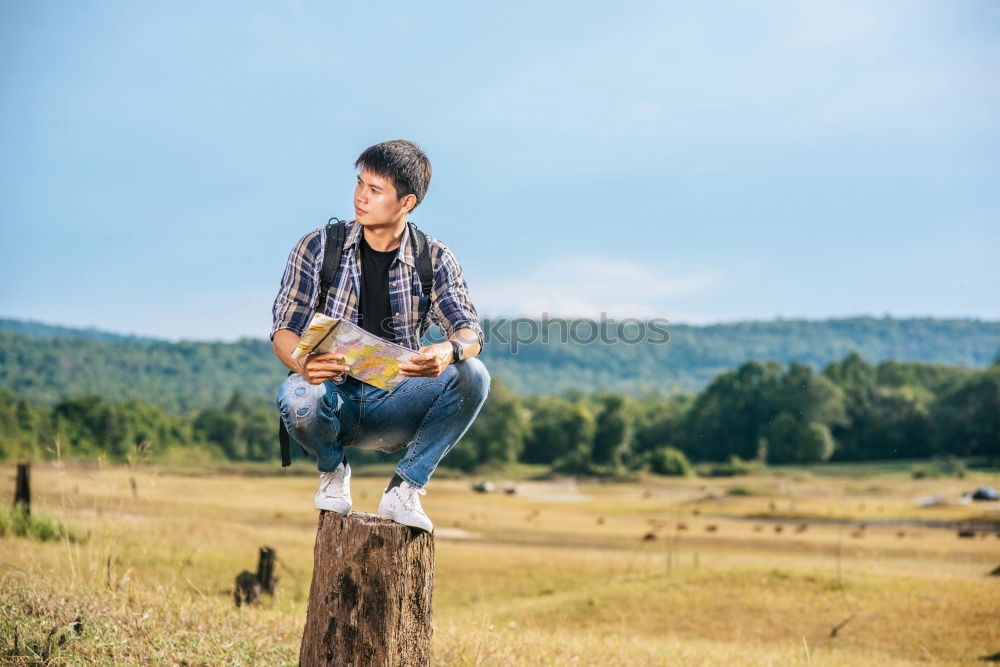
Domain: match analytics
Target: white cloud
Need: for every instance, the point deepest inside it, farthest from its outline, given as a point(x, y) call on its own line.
point(586, 286)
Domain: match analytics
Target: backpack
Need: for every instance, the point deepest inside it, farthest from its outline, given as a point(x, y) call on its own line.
point(336, 233)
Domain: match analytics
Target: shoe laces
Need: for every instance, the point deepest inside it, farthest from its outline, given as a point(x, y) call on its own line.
point(411, 499)
point(328, 478)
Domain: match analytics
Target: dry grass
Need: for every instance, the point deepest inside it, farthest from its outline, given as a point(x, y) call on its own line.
point(520, 579)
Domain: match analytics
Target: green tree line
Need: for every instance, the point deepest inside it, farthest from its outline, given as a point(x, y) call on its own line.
point(45, 364)
point(767, 412)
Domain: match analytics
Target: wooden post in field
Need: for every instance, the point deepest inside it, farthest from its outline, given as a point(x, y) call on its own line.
point(370, 600)
point(265, 570)
point(22, 491)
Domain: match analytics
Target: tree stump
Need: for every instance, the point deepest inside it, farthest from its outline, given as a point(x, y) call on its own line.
point(22, 490)
point(249, 586)
point(265, 570)
point(370, 600)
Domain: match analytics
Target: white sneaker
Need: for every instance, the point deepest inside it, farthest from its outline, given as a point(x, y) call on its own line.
point(334, 493)
point(401, 503)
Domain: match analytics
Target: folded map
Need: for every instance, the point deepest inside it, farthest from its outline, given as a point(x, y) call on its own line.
point(371, 359)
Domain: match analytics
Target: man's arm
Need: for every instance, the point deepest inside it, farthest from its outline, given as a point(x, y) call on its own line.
point(469, 339)
point(453, 312)
point(299, 291)
point(293, 308)
point(452, 308)
point(433, 359)
point(284, 343)
point(315, 368)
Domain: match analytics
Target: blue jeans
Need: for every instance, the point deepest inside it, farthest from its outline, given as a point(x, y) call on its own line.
point(427, 415)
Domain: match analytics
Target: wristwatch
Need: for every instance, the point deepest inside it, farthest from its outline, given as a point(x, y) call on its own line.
point(456, 351)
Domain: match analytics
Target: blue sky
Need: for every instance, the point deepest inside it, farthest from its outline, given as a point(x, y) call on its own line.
point(702, 162)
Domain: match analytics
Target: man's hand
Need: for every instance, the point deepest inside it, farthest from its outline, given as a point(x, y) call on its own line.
point(318, 368)
point(430, 362)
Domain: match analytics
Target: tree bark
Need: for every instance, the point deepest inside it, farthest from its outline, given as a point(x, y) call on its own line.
point(370, 600)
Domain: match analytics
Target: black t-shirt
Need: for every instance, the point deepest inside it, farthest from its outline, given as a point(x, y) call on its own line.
point(374, 308)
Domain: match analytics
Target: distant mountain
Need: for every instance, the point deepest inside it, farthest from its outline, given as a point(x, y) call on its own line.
point(696, 354)
point(44, 363)
point(36, 329)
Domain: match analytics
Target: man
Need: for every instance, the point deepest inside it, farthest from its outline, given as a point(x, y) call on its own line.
point(378, 287)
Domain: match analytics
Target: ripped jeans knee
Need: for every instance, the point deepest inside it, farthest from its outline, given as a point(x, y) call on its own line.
point(299, 402)
point(311, 413)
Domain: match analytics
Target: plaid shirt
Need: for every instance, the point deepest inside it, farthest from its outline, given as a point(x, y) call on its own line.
point(451, 308)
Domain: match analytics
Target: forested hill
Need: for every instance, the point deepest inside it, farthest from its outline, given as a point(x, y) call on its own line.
point(44, 363)
point(42, 330)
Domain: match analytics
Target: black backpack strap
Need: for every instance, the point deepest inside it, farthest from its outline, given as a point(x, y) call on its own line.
point(335, 235)
point(286, 455)
point(422, 252)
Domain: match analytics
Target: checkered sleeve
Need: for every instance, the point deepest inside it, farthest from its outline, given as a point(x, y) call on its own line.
point(297, 297)
point(452, 307)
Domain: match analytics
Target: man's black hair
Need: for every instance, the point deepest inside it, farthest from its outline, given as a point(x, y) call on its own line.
point(403, 163)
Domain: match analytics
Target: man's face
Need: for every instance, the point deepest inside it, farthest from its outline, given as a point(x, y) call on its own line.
point(375, 201)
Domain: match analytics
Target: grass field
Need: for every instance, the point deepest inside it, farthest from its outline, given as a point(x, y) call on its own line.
point(658, 571)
